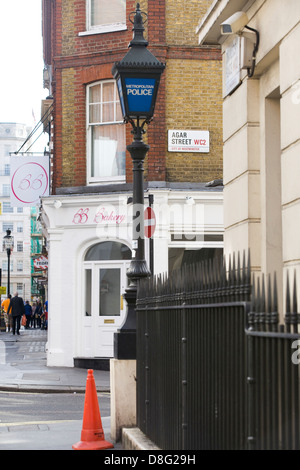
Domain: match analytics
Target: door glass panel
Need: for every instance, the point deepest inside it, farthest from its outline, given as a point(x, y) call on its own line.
point(108, 251)
point(110, 289)
point(88, 292)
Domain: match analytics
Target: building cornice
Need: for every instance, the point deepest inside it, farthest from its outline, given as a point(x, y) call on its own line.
point(161, 52)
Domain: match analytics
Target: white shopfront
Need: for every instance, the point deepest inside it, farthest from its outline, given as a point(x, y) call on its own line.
point(89, 250)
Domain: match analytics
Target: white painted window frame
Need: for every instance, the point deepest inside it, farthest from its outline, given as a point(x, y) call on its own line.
point(100, 29)
point(92, 179)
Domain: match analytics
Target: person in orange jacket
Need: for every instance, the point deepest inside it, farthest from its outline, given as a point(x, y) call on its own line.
point(7, 317)
point(17, 308)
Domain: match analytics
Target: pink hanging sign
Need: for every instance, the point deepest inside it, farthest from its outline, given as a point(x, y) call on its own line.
point(29, 180)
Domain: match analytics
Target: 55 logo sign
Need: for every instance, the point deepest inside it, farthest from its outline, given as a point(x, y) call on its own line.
point(29, 183)
point(29, 180)
point(81, 216)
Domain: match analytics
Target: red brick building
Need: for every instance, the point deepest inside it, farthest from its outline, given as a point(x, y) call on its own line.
point(77, 57)
point(92, 170)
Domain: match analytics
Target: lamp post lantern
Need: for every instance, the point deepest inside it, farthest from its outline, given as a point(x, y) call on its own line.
point(137, 76)
point(8, 244)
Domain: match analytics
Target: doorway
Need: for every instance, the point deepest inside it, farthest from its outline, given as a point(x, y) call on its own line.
point(104, 310)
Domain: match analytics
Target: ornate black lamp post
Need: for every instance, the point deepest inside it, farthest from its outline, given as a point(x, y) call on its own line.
point(8, 244)
point(137, 76)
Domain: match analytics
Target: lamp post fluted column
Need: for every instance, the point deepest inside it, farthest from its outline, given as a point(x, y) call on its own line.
point(8, 244)
point(138, 268)
point(138, 150)
point(8, 251)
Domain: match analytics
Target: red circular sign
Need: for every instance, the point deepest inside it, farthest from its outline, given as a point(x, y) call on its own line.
point(150, 222)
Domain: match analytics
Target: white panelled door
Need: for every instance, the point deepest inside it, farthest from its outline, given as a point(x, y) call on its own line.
point(104, 307)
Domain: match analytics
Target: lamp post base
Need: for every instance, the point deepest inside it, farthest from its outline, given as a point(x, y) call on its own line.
point(125, 345)
point(125, 338)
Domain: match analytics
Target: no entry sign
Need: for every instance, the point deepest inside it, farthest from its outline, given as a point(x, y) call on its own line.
point(150, 222)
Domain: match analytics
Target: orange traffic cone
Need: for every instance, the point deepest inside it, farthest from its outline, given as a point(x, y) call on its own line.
point(92, 435)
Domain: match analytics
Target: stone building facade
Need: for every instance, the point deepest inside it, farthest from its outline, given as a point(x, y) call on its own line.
point(261, 133)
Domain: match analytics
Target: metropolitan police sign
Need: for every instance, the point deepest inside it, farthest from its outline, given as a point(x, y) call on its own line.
point(139, 93)
point(188, 141)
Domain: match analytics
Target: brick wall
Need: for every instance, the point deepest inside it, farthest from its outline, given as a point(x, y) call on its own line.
point(193, 92)
point(189, 95)
point(194, 103)
point(182, 19)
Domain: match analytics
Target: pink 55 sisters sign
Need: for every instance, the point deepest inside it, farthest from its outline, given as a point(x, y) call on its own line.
point(29, 180)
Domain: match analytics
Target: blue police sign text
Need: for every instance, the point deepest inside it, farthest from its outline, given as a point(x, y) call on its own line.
point(139, 94)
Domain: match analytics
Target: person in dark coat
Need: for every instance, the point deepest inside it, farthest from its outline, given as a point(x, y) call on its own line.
point(17, 309)
point(38, 314)
point(28, 313)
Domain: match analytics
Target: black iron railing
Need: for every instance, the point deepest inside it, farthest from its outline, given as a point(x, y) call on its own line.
point(215, 370)
point(273, 370)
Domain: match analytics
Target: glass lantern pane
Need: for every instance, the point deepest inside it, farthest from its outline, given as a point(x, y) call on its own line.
point(8, 243)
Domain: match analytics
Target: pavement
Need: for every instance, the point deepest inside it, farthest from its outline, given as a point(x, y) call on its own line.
point(23, 368)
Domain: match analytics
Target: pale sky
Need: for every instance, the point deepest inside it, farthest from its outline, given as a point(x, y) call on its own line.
point(21, 59)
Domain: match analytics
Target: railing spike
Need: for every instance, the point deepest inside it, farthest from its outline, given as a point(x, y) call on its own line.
point(263, 294)
point(269, 296)
point(288, 313)
point(288, 299)
point(244, 276)
point(239, 278)
point(275, 295)
point(253, 297)
point(258, 304)
point(229, 266)
point(233, 269)
point(295, 303)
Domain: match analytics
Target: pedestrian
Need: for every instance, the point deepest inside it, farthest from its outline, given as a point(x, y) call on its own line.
point(38, 313)
point(28, 313)
point(7, 317)
point(16, 306)
point(33, 319)
point(46, 315)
